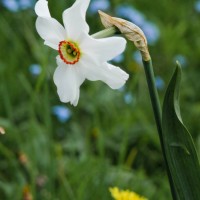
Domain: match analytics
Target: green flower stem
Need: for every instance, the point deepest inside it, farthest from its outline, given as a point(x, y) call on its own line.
point(106, 33)
point(153, 94)
point(157, 114)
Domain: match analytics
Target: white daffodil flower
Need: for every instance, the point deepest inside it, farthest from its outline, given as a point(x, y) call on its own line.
point(80, 56)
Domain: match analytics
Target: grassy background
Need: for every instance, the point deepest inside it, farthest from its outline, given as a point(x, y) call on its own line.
point(110, 138)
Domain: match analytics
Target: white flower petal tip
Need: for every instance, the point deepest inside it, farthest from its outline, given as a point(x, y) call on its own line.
point(120, 44)
point(67, 80)
point(74, 19)
point(116, 77)
point(51, 31)
point(114, 47)
point(41, 8)
point(113, 76)
point(103, 49)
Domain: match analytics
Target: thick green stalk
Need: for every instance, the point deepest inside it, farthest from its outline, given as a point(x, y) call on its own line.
point(157, 114)
point(106, 33)
point(153, 94)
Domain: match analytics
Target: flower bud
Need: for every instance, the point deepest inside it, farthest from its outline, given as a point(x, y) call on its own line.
point(130, 31)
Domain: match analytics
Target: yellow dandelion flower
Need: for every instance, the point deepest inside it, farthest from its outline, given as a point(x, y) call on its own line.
point(124, 194)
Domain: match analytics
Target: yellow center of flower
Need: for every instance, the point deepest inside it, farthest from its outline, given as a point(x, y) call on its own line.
point(69, 52)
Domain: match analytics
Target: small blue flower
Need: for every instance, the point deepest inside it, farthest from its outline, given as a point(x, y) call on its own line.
point(160, 84)
point(130, 14)
point(35, 69)
point(96, 5)
point(119, 58)
point(128, 98)
point(62, 113)
point(124, 11)
point(25, 4)
point(17, 5)
point(137, 57)
point(181, 59)
point(11, 5)
point(151, 31)
point(197, 6)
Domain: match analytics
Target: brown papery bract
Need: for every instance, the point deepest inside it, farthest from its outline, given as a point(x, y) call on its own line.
point(129, 30)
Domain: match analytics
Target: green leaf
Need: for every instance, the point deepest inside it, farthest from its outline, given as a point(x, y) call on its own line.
point(180, 151)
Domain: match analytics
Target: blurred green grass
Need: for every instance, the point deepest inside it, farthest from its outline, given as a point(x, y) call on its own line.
point(107, 141)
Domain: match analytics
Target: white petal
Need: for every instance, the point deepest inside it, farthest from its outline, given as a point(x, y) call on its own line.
point(52, 45)
point(103, 49)
point(68, 80)
point(110, 74)
point(51, 31)
point(41, 8)
point(74, 19)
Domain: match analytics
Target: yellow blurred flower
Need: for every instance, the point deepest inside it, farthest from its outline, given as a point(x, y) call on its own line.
point(124, 194)
point(27, 193)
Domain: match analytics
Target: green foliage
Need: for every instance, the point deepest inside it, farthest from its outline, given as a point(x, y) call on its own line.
point(180, 151)
point(106, 142)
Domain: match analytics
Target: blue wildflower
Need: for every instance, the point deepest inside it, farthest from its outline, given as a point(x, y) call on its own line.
point(119, 58)
point(182, 60)
point(131, 14)
point(11, 5)
point(25, 4)
point(160, 84)
point(151, 31)
point(128, 98)
point(35, 69)
point(137, 57)
point(96, 5)
point(62, 113)
point(17, 5)
point(197, 6)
